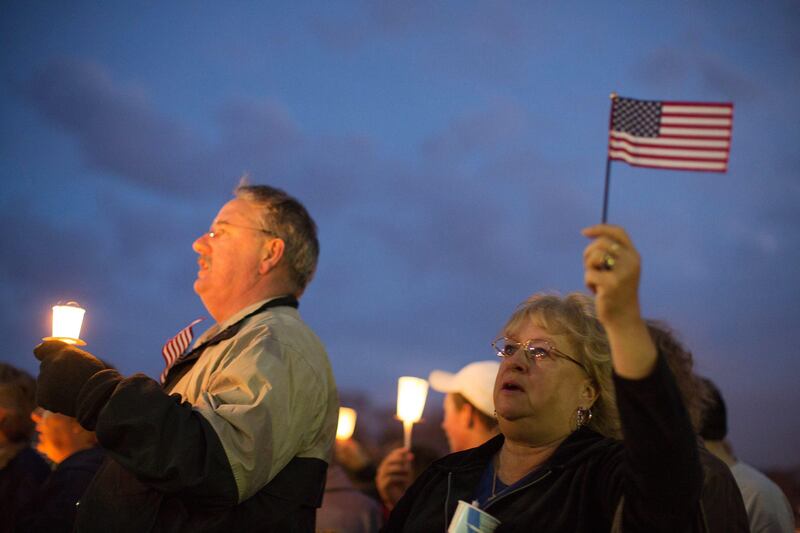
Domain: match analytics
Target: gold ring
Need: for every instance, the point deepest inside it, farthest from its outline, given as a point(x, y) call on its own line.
point(608, 262)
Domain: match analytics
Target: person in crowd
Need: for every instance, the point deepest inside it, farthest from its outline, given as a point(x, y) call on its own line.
point(768, 509)
point(240, 434)
point(722, 508)
point(345, 509)
point(469, 419)
point(22, 470)
point(468, 422)
point(76, 456)
point(594, 434)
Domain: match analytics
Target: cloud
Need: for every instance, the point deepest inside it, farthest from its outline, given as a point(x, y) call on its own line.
point(358, 23)
point(500, 124)
point(486, 41)
point(678, 67)
point(725, 78)
point(260, 130)
point(117, 128)
point(120, 132)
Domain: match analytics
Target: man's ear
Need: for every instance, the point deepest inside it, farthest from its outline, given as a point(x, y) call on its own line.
point(271, 255)
point(471, 413)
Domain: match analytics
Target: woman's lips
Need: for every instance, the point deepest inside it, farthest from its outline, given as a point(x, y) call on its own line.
point(510, 386)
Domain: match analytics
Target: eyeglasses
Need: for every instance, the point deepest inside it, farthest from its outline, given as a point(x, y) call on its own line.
point(219, 232)
point(535, 349)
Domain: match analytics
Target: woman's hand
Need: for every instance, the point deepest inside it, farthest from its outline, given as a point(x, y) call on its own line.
point(612, 270)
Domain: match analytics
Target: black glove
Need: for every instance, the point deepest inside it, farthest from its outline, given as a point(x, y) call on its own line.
point(63, 371)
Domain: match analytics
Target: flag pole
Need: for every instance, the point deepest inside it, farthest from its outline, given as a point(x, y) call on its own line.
point(613, 96)
point(605, 192)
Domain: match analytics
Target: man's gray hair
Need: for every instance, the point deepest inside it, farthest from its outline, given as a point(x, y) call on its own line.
point(285, 216)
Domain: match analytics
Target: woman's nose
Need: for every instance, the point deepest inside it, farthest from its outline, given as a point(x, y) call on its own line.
point(518, 361)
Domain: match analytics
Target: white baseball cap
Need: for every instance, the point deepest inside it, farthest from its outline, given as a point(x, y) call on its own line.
point(475, 382)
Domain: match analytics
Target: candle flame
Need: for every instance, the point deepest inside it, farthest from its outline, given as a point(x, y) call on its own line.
point(411, 395)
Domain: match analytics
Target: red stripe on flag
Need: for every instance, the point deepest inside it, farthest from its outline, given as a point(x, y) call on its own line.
point(727, 105)
point(699, 137)
point(673, 158)
point(670, 146)
point(695, 115)
point(693, 126)
point(672, 168)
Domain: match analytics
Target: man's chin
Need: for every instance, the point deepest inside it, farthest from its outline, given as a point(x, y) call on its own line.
point(199, 286)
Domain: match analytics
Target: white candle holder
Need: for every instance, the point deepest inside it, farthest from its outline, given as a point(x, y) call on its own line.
point(411, 395)
point(67, 321)
point(347, 423)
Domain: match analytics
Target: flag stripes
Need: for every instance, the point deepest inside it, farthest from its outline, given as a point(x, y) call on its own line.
point(175, 347)
point(671, 135)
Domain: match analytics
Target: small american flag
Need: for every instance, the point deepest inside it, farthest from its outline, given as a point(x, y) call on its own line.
point(176, 346)
point(672, 135)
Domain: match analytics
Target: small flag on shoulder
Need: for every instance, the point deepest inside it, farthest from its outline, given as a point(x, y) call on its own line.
point(175, 347)
point(671, 135)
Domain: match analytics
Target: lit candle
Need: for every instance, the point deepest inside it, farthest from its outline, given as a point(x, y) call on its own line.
point(411, 395)
point(347, 423)
point(67, 321)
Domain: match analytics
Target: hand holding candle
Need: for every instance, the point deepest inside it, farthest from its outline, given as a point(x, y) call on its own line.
point(411, 395)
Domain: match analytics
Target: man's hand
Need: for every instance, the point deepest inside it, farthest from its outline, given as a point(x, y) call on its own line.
point(63, 371)
point(394, 476)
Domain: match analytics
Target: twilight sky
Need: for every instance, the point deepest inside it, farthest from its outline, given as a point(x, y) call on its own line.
point(450, 153)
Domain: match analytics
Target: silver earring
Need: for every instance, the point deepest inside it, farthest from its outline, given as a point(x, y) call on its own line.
point(583, 416)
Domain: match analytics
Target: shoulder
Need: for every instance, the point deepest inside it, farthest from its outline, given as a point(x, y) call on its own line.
point(280, 336)
point(587, 446)
point(29, 463)
point(87, 460)
point(767, 505)
point(472, 458)
point(754, 483)
point(283, 327)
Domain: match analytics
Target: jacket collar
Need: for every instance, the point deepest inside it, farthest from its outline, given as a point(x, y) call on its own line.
point(575, 448)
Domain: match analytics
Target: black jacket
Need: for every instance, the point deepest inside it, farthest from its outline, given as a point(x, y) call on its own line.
point(167, 470)
point(582, 485)
point(54, 507)
point(723, 506)
point(19, 481)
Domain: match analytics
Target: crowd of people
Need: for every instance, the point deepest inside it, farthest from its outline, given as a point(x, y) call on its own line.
point(591, 418)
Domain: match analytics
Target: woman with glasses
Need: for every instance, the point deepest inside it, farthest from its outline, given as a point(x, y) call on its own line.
point(594, 435)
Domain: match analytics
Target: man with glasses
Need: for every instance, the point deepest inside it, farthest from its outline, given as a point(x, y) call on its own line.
point(240, 434)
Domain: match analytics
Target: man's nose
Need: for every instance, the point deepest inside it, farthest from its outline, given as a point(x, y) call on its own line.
point(200, 244)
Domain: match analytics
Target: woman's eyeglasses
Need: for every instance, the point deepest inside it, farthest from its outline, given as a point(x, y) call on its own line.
point(536, 350)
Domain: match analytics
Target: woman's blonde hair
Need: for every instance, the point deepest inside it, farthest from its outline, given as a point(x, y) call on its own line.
point(574, 317)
